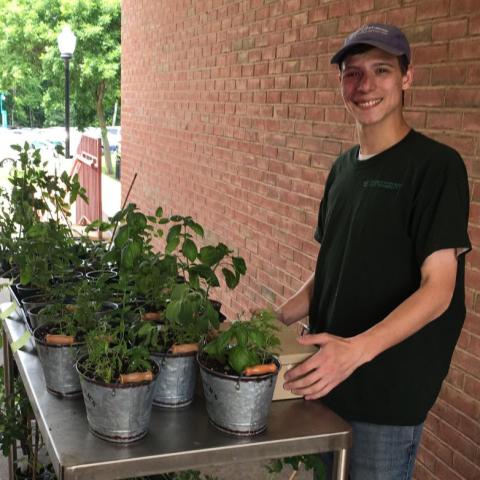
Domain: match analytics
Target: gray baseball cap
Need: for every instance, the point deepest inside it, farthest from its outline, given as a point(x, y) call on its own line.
point(385, 37)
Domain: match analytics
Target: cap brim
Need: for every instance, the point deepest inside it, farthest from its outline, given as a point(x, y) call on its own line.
point(338, 57)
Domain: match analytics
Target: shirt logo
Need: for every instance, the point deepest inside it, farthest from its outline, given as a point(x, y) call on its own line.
point(381, 184)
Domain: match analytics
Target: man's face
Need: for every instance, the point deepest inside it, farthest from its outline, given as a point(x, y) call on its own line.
point(372, 85)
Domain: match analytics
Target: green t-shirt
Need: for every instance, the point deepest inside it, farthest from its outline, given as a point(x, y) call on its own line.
point(378, 221)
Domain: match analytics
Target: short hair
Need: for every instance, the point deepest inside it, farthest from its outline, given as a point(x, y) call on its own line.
point(363, 47)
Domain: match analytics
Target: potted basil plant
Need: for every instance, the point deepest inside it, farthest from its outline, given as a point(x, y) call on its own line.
point(239, 371)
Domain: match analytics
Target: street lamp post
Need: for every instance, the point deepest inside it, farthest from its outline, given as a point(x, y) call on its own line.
point(66, 45)
point(3, 112)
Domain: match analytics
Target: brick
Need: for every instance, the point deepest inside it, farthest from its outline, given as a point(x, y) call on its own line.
point(402, 16)
point(474, 27)
point(465, 49)
point(416, 119)
point(443, 120)
point(381, 4)
point(430, 54)
point(471, 122)
point(464, 467)
point(349, 24)
point(463, 97)
point(473, 75)
point(459, 7)
point(472, 387)
point(361, 6)
point(448, 30)
point(317, 14)
point(338, 9)
point(327, 28)
point(308, 32)
point(375, 17)
point(437, 448)
point(429, 97)
point(433, 9)
point(449, 74)
point(418, 33)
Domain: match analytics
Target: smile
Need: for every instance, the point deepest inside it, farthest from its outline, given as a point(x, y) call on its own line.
point(369, 103)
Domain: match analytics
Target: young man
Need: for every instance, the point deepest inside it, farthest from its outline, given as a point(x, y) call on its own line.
point(386, 302)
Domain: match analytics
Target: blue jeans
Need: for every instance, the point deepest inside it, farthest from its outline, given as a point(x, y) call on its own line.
point(381, 452)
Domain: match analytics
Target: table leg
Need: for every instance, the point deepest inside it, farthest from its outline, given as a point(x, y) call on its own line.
point(8, 378)
point(340, 464)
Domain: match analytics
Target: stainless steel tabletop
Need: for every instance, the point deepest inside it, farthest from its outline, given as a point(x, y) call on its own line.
point(177, 439)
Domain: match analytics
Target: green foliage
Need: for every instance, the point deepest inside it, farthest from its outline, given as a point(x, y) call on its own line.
point(111, 352)
point(16, 426)
point(79, 318)
point(310, 462)
point(246, 343)
point(201, 264)
point(185, 475)
point(34, 227)
point(32, 71)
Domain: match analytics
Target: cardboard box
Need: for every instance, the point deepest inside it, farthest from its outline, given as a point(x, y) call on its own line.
point(291, 353)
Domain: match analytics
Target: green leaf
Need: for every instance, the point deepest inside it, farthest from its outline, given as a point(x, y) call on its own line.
point(20, 342)
point(174, 232)
point(179, 291)
point(209, 255)
point(36, 230)
point(230, 278)
point(239, 358)
point(176, 218)
point(122, 236)
point(189, 249)
point(197, 228)
point(239, 265)
point(186, 311)
point(137, 220)
point(159, 212)
point(206, 273)
point(130, 253)
point(172, 244)
point(172, 311)
point(25, 276)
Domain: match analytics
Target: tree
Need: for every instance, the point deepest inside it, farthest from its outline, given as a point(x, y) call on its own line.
point(33, 72)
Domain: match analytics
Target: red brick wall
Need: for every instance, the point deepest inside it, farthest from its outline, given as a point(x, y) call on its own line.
point(231, 114)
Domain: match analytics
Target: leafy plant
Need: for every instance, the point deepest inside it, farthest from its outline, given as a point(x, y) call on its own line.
point(245, 343)
point(201, 264)
point(17, 426)
point(310, 462)
point(78, 318)
point(189, 317)
point(39, 206)
point(111, 353)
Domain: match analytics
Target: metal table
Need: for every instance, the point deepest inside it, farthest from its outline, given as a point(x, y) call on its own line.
point(177, 440)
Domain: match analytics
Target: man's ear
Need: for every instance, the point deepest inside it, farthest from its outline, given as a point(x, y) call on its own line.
point(407, 79)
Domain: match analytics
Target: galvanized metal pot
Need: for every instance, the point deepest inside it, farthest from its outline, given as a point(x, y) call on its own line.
point(35, 301)
point(58, 364)
point(118, 413)
point(235, 404)
point(176, 379)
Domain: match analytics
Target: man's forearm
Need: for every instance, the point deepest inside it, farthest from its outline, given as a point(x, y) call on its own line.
point(297, 306)
point(426, 304)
